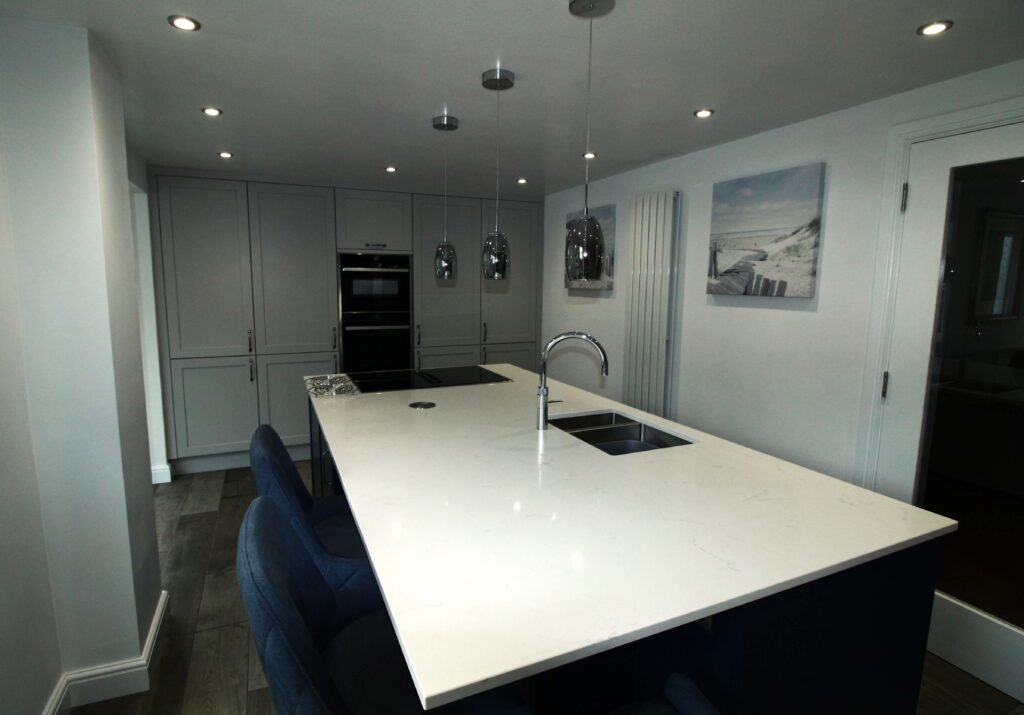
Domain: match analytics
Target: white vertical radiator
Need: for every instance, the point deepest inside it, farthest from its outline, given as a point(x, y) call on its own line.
point(649, 301)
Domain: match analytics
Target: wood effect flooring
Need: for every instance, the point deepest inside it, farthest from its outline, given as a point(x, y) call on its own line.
point(205, 662)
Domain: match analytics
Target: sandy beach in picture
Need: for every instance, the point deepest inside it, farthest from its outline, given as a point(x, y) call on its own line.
point(765, 232)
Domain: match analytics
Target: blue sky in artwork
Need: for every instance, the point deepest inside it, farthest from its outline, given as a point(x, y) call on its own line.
point(780, 199)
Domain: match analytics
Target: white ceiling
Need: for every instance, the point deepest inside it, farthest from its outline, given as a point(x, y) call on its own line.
point(331, 91)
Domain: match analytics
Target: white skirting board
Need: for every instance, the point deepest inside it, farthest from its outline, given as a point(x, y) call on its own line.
point(986, 647)
point(161, 473)
point(110, 680)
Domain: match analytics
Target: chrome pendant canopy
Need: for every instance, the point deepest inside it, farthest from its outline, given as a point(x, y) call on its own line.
point(584, 239)
point(496, 257)
point(591, 8)
point(445, 259)
point(584, 249)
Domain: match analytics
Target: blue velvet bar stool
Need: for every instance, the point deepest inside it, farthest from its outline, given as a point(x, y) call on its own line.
point(317, 659)
point(278, 480)
point(329, 522)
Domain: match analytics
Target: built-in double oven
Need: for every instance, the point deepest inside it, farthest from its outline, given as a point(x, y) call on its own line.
point(375, 302)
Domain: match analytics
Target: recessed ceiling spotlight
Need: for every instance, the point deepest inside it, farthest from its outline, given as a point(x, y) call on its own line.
point(212, 111)
point(521, 181)
point(589, 155)
point(183, 22)
point(225, 155)
point(934, 28)
point(703, 113)
point(391, 170)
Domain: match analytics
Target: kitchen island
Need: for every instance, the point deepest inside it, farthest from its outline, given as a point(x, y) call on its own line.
point(503, 551)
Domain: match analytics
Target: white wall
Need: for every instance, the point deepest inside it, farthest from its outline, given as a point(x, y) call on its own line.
point(63, 136)
point(785, 376)
point(148, 326)
point(30, 657)
point(126, 347)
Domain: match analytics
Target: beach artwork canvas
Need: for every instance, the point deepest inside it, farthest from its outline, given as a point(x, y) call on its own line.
point(765, 232)
point(605, 215)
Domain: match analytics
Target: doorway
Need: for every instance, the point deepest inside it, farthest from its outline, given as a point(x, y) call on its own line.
point(953, 421)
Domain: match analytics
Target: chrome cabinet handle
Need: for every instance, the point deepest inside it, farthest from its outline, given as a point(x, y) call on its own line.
point(252, 375)
point(334, 338)
point(485, 356)
point(364, 328)
point(249, 338)
point(419, 360)
point(376, 245)
point(417, 333)
point(485, 332)
point(335, 364)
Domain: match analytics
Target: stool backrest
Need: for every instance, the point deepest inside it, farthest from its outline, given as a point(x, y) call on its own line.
point(292, 612)
point(277, 478)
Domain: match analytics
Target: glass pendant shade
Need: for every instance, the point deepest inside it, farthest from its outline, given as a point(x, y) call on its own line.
point(496, 259)
point(444, 261)
point(584, 249)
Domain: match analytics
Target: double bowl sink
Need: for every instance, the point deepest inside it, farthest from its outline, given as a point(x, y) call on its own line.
point(615, 433)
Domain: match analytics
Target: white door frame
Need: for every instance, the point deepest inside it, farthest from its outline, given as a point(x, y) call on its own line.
point(971, 639)
point(901, 140)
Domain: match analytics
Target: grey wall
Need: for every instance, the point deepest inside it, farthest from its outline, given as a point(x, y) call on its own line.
point(30, 659)
point(785, 376)
point(63, 132)
point(126, 347)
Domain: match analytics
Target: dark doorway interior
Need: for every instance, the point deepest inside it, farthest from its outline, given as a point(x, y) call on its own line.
point(973, 464)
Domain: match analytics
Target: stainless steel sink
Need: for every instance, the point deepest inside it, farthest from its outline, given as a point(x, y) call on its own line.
point(616, 434)
point(597, 419)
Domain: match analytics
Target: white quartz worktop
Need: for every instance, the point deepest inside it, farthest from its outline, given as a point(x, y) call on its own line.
point(503, 551)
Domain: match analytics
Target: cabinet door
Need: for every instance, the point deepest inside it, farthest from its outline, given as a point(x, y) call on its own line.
point(522, 355)
point(284, 404)
point(294, 271)
point(459, 356)
point(204, 238)
point(374, 221)
point(215, 404)
point(509, 307)
point(447, 312)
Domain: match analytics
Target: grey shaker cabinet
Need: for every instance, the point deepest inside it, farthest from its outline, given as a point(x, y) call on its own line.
point(204, 237)
point(295, 277)
point(446, 312)
point(508, 308)
point(373, 221)
point(216, 407)
point(284, 403)
point(457, 356)
point(522, 355)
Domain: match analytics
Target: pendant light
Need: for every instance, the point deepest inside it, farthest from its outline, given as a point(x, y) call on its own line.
point(584, 239)
point(445, 259)
point(496, 255)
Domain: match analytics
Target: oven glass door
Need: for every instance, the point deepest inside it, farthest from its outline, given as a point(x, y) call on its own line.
point(376, 347)
point(374, 283)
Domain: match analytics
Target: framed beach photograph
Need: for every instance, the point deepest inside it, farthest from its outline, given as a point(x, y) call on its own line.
point(765, 233)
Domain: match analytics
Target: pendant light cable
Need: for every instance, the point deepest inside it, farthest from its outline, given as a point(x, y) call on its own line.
point(586, 161)
point(444, 209)
point(497, 160)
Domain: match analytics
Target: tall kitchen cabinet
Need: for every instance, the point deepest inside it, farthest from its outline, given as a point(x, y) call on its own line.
point(467, 320)
point(249, 296)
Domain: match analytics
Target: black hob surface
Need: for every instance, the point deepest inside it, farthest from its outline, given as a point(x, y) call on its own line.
point(392, 380)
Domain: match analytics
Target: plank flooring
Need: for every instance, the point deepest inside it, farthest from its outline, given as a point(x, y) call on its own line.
point(205, 662)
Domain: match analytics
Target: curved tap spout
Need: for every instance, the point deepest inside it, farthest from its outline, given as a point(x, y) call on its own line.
point(542, 389)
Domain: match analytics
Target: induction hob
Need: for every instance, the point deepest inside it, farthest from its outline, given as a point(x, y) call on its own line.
point(392, 380)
